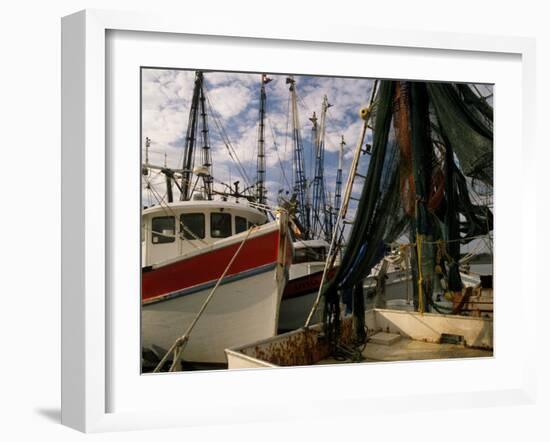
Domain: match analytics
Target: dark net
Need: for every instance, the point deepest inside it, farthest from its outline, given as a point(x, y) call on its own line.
point(427, 138)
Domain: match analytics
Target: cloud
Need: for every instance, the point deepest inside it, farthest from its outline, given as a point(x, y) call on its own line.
point(234, 97)
point(166, 97)
point(230, 101)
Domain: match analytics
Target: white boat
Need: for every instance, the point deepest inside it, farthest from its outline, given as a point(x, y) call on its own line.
point(305, 276)
point(187, 246)
point(395, 292)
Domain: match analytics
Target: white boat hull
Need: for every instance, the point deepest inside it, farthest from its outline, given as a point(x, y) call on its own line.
point(239, 313)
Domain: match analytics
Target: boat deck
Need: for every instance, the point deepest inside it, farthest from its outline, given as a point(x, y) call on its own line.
point(405, 349)
point(394, 335)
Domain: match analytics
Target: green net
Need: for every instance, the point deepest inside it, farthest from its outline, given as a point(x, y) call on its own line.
point(427, 138)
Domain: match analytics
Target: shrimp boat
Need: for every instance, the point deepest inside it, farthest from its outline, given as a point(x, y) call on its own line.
point(214, 266)
point(182, 267)
point(305, 277)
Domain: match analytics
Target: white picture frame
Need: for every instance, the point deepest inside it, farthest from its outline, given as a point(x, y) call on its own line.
point(86, 232)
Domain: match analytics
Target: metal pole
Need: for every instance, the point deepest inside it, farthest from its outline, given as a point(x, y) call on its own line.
point(341, 215)
point(190, 139)
point(300, 182)
point(260, 178)
point(365, 114)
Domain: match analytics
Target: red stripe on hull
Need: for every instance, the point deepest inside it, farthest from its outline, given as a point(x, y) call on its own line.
point(209, 266)
point(305, 284)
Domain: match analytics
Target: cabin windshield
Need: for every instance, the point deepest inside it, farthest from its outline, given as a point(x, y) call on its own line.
point(192, 225)
point(220, 225)
point(163, 230)
point(240, 224)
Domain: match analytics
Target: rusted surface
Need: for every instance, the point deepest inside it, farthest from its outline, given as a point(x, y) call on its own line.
point(403, 136)
point(302, 347)
point(309, 347)
point(474, 301)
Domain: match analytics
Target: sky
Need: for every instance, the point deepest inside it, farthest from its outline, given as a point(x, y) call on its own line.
point(234, 99)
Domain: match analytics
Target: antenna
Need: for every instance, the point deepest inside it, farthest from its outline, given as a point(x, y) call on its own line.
point(147, 146)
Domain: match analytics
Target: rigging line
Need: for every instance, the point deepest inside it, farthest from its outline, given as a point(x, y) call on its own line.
point(456, 240)
point(479, 94)
point(147, 180)
point(151, 177)
point(226, 140)
point(277, 151)
point(331, 120)
point(157, 196)
point(149, 184)
point(287, 137)
point(153, 180)
point(184, 136)
point(231, 150)
point(471, 253)
point(148, 197)
point(221, 132)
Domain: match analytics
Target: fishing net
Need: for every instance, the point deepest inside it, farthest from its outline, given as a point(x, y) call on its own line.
point(378, 201)
point(427, 138)
point(466, 123)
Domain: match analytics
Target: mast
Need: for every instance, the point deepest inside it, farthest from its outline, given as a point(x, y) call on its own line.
point(169, 176)
point(310, 199)
point(260, 179)
point(190, 140)
point(320, 221)
point(169, 194)
point(198, 109)
point(206, 155)
point(338, 189)
point(299, 176)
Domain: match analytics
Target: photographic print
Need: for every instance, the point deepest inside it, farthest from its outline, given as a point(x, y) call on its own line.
point(302, 220)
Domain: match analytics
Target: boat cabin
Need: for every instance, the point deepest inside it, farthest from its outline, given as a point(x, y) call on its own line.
point(309, 257)
point(175, 229)
point(310, 250)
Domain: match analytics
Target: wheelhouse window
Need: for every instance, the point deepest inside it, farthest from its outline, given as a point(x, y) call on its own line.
point(220, 225)
point(192, 225)
point(309, 254)
point(320, 254)
point(240, 224)
point(163, 229)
